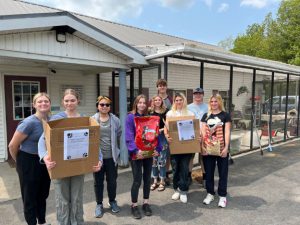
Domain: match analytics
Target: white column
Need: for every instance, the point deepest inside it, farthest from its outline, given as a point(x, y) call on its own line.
point(123, 114)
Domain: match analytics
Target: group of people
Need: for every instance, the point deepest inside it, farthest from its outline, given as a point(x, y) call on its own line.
point(28, 149)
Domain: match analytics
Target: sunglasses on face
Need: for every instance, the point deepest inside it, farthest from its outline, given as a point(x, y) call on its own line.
point(102, 105)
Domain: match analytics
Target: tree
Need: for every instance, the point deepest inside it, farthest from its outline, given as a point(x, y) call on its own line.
point(275, 39)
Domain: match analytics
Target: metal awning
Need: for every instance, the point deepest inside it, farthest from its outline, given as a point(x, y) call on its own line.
point(219, 56)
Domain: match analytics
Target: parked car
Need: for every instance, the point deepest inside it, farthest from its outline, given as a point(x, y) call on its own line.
point(279, 103)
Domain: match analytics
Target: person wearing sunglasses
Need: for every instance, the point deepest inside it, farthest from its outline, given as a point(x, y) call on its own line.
point(110, 133)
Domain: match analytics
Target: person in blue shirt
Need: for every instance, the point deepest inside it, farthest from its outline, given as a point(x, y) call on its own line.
point(199, 108)
point(33, 176)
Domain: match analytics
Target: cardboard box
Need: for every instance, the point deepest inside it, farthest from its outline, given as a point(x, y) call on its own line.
point(57, 143)
point(187, 146)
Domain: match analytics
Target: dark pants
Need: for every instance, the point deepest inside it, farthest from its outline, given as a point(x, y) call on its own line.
point(110, 170)
point(141, 168)
point(210, 165)
point(180, 168)
point(35, 183)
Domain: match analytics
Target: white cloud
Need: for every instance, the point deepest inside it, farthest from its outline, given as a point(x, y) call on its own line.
point(258, 3)
point(208, 2)
point(223, 7)
point(105, 9)
point(178, 4)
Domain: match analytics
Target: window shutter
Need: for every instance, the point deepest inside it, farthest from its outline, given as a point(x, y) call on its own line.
point(189, 95)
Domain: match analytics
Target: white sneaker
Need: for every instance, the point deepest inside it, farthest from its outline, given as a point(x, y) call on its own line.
point(176, 195)
point(222, 202)
point(183, 198)
point(208, 199)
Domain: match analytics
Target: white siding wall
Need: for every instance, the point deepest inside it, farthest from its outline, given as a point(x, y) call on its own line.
point(74, 78)
point(188, 77)
point(54, 83)
point(44, 43)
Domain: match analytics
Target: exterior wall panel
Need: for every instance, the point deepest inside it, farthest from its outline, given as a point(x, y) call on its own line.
point(45, 43)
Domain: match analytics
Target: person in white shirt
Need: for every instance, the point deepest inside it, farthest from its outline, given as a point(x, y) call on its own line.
point(180, 162)
point(199, 108)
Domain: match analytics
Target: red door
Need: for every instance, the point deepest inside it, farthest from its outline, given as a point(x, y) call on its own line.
point(19, 91)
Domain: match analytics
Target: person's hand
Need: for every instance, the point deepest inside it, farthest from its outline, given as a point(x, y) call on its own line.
point(169, 139)
point(224, 152)
point(155, 153)
point(199, 138)
point(49, 164)
point(98, 167)
point(139, 155)
point(204, 152)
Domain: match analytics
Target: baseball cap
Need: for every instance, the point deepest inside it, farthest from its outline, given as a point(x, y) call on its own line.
point(198, 90)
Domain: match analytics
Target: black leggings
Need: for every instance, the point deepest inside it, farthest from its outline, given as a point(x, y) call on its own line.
point(35, 184)
point(141, 168)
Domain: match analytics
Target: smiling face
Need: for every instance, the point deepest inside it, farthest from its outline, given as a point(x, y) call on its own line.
point(42, 104)
point(104, 106)
point(178, 102)
point(157, 102)
point(141, 106)
point(214, 104)
point(198, 97)
point(162, 89)
point(70, 102)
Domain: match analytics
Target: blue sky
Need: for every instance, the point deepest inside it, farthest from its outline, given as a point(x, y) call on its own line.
point(208, 21)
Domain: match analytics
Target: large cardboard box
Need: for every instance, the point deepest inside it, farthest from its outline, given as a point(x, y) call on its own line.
point(70, 138)
point(186, 146)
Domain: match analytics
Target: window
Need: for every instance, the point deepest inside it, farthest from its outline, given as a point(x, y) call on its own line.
point(23, 93)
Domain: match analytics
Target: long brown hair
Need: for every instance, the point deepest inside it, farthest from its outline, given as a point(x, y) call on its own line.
point(136, 101)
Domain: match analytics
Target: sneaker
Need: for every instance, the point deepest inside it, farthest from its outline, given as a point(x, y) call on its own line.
point(99, 211)
point(208, 199)
point(176, 195)
point(147, 210)
point(222, 202)
point(114, 206)
point(183, 198)
point(136, 212)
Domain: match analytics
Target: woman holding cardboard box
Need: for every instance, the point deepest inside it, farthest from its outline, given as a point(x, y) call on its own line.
point(110, 133)
point(33, 176)
point(68, 190)
point(216, 138)
point(140, 158)
point(179, 162)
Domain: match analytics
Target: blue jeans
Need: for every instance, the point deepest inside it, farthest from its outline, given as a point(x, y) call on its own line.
point(180, 168)
point(209, 166)
point(159, 162)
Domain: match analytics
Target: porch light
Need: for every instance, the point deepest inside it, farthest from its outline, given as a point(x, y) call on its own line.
point(61, 36)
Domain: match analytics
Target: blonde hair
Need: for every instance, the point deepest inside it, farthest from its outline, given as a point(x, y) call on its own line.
point(184, 105)
point(162, 106)
point(40, 94)
point(136, 101)
point(220, 103)
point(101, 97)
